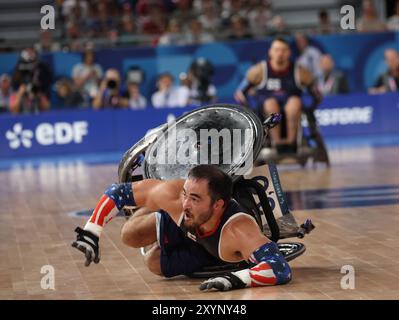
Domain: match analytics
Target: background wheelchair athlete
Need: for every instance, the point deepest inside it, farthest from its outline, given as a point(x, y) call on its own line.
point(277, 85)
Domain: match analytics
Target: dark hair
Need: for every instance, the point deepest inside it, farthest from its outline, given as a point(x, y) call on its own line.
point(281, 39)
point(219, 183)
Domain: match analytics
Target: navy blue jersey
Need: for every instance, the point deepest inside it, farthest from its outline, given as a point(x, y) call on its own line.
point(210, 241)
point(278, 84)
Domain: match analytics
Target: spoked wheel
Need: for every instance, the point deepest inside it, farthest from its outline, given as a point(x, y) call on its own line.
point(225, 135)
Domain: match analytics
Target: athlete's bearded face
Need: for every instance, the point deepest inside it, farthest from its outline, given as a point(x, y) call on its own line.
point(198, 206)
point(279, 53)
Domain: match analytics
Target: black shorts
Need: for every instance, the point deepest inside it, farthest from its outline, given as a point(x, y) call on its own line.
point(179, 254)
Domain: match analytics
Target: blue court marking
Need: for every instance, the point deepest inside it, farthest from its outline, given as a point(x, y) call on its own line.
point(343, 197)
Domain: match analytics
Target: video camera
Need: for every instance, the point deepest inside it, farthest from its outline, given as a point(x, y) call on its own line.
point(202, 70)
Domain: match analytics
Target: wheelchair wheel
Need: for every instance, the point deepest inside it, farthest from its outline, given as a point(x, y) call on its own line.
point(223, 118)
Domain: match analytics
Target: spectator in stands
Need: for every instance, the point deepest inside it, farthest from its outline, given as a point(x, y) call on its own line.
point(259, 17)
point(127, 30)
point(174, 34)
point(196, 35)
point(278, 27)
point(232, 8)
point(109, 95)
point(68, 7)
point(155, 22)
point(389, 80)
point(369, 21)
point(33, 73)
point(136, 101)
point(239, 29)
point(88, 73)
point(28, 99)
point(167, 96)
point(324, 26)
point(209, 18)
point(5, 92)
point(73, 34)
point(393, 21)
point(309, 55)
point(46, 43)
point(102, 23)
point(332, 81)
point(184, 12)
point(70, 95)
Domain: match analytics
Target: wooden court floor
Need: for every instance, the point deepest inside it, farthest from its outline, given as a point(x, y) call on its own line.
point(35, 231)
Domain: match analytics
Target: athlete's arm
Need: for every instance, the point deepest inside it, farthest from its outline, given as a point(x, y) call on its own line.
point(157, 194)
point(253, 78)
point(268, 264)
point(150, 193)
point(307, 80)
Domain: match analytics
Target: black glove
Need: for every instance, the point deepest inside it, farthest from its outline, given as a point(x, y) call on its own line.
point(223, 283)
point(87, 242)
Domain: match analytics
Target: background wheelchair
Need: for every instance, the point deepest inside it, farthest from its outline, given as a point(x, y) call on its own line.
point(310, 142)
point(257, 189)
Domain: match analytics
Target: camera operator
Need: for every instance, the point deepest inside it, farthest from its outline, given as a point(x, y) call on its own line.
point(199, 82)
point(109, 95)
point(32, 80)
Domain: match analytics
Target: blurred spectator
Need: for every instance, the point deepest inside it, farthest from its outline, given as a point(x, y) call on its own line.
point(393, 21)
point(278, 27)
point(88, 73)
point(101, 24)
point(199, 82)
point(332, 81)
point(127, 30)
point(73, 37)
point(136, 100)
point(5, 92)
point(33, 73)
point(174, 34)
point(232, 8)
point(28, 99)
point(324, 26)
point(369, 21)
point(68, 7)
point(69, 94)
point(155, 22)
point(259, 17)
point(309, 55)
point(196, 35)
point(46, 43)
point(167, 96)
point(109, 95)
point(209, 18)
point(389, 80)
point(184, 12)
point(239, 29)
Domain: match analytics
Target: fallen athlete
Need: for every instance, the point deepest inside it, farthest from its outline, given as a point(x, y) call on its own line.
point(192, 224)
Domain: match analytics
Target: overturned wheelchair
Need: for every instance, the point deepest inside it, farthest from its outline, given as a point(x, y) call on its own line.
point(172, 149)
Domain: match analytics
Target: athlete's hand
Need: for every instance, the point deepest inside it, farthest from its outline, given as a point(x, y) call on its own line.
point(223, 283)
point(87, 243)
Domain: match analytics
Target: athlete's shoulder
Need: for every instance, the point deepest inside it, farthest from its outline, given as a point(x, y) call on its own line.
point(255, 73)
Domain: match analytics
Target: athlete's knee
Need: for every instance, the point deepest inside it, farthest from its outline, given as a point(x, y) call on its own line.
point(271, 105)
point(152, 260)
point(293, 105)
